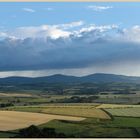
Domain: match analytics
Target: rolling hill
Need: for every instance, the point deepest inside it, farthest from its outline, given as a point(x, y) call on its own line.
point(58, 78)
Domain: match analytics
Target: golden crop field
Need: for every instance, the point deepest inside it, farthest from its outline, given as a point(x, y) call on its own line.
point(14, 95)
point(74, 110)
point(12, 120)
point(77, 111)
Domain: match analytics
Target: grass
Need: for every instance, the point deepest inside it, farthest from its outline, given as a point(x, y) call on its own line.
point(114, 106)
point(132, 112)
point(6, 134)
point(92, 127)
point(28, 98)
point(97, 127)
point(124, 122)
point(24, 109)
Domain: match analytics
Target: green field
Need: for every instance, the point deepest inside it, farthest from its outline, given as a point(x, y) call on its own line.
point(132, 112)
point(102, 120)
point(98, 128)
point(93, 128)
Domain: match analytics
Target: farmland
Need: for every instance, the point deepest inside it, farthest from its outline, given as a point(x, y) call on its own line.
point(38, 93)
point(82, 111)
point(69, 69)
point(72, 110)
point(92, 120)
point(11, 120)
point(114, 106)
point(131, 112)
point(121, 110)
point(98, 128)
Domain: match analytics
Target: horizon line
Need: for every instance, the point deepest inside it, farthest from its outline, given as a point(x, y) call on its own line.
point(69, 75)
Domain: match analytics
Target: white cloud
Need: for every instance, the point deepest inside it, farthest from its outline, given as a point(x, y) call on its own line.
point(44, 31)
point(3, 34)
point(29, 10)
point(99, 8)
point(93, 31)
point(75, 29)
point(130, 34)
point(71, 25)
point(101, 28)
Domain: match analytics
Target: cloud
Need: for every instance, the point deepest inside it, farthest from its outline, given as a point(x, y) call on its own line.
point(70, 25)
point(131, 34)
point(3, 34)
point(29, 10)
point(43, 31)
point(40, 32)
point(99, 8)
point(64, 48)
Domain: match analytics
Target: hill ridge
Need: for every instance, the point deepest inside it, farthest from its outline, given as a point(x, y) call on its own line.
point(56, 78)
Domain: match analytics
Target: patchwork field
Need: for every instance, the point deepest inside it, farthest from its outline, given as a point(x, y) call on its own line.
point(12, 120)
point(81, 111)
point(74, 120)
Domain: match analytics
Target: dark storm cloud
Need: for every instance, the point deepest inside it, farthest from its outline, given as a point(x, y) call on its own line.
point(88, 47)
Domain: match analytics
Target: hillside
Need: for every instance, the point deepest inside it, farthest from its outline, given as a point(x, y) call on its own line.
point(58, 78)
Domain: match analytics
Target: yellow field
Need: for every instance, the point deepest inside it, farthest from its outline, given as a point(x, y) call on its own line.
point(77, 111)
point(73, 110)
point(14, 95)
point(116, 106)
point(12, 120)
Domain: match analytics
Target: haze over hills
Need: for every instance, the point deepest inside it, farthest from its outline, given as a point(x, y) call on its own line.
point(58, 78)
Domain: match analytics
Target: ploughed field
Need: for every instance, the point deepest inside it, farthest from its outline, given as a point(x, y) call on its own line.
point(12, 120)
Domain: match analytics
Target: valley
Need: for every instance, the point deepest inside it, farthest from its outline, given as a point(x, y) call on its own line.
point(71, 109)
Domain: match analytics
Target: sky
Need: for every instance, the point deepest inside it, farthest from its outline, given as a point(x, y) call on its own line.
point(72, 38)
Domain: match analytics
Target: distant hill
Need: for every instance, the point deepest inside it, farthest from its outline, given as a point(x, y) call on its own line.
point(101, 77)
point(58, 78)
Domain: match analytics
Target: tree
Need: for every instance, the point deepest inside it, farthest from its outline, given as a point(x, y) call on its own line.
point(35, 132)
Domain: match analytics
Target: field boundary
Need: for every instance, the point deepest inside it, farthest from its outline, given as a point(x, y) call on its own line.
point(80, 116)
point(125, 116)
point(109, 114)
